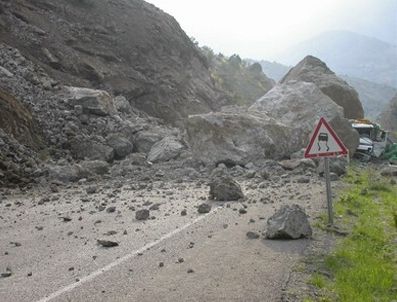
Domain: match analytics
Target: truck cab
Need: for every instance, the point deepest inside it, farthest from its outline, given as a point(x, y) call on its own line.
point(373, 139)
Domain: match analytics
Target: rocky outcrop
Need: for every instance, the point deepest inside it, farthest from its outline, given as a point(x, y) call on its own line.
point(313, 70)
point(128, 48)
point(289, 222)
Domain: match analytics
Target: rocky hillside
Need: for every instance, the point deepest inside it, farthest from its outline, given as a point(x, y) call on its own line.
point(242, 81)
point(125, 47)
point(46, 127)
point(312, 69)
point(90, 89)
point(388, 117)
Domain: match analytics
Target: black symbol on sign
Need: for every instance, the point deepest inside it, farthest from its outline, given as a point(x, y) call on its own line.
point(323, 137)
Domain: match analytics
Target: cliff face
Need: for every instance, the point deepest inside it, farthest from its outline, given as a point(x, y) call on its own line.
point(124, 47)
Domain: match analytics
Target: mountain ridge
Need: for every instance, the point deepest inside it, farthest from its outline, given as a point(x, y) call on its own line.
point(349, 53)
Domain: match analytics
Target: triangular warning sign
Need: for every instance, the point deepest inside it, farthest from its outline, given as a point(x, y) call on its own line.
point(324, 142)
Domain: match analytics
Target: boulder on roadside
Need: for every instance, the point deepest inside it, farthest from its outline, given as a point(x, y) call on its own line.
point(121, 145)
point(97, 102)
point(289, 222)
point(166, 149)
point(225, 189)
point(204, 208)
point(313, 70)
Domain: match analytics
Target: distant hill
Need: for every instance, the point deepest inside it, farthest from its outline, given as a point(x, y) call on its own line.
point(349, 53)
point(373, 96)
point(274, 70)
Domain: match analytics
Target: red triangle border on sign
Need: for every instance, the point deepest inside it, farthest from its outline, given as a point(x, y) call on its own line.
point(334, 135)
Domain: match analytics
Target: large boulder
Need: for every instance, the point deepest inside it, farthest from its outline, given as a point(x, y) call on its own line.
point(166, 149)
point(225, 189)
point(236, 136)
point(97, 102)
point(289, 222)
point(299, 105)
point(275, 126)
point(311, 69)
point(121, 146)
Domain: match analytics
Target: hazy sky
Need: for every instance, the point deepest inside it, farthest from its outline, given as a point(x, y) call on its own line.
point(258, 29)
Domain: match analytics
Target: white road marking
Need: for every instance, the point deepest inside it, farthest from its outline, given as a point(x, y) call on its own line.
point(117, 262)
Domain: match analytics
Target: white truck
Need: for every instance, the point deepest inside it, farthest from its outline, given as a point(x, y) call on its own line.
point(373, 140)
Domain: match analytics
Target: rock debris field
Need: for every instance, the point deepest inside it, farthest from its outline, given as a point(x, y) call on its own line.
point(118, 241)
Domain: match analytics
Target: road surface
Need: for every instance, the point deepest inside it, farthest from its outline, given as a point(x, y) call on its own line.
point(48, 241)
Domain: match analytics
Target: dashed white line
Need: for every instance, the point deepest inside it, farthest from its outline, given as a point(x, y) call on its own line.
point(117, 262)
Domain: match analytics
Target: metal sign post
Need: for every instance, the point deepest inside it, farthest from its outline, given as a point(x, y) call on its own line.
point(325, 143)
point(329, 193)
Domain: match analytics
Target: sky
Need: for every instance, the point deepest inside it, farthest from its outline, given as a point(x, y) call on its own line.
point(259, 29)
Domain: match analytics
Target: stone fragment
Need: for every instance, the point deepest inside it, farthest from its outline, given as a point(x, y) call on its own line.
point(289, 222)
point(107, 243)
point(142, 214)
point(204, 208)
point(225, 189)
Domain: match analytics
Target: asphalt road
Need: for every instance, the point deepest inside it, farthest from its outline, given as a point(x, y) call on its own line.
point(197, 257)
